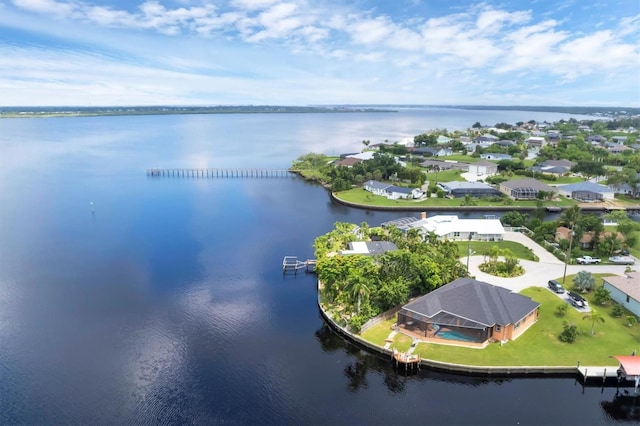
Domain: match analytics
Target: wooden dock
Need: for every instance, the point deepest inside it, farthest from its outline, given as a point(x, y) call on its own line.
point(220, 173)
point(293, 264)
point(407, 360)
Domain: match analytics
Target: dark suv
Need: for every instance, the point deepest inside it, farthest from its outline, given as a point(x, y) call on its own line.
point(577, 300)
point(556, 287)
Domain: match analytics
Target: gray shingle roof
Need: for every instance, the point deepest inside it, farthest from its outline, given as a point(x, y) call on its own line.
point(585, 186)
point(527, 183)
point(476, 301)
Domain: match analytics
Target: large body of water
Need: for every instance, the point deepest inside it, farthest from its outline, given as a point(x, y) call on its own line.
point(127, 299)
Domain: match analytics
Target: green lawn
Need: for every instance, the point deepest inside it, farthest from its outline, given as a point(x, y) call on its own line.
point(445, 176)
point(540, 345)
point(360, 196)
point(482, 247)
point(561, 180)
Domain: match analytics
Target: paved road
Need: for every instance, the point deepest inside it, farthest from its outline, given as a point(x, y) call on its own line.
point(536, 273)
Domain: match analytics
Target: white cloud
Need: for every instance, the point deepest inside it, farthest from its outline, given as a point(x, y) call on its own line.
point(205, 47)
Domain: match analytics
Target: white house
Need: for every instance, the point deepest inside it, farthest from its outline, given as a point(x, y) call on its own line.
point(481, 168)
point(451, 227)
point(625, 290)
point(392, 192)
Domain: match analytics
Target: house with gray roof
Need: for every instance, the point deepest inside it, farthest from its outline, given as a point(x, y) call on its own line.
point(586, 192)
point(468, 312)
point(483, 167)
point(495, 156)
point(474, 189)
point(625, 290)
point(524, 189)
point(554, 167)
point(392, 192)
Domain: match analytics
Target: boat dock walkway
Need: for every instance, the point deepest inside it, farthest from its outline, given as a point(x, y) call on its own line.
point(292, 264)
point(221, 173)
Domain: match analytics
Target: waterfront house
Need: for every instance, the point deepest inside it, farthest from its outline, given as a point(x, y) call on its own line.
point(392, 192)
point(369, 248)
point(482, 168)
point(468, 312)
point(347, 162)
point(524, 189)
point(474, 189)
point(586, 192)
point(451, 227)
point(625, 290)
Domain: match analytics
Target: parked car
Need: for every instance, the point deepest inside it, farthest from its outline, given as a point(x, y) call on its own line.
point(622, 260)
point(587, 260)
point(555, 286)
point(577, 300)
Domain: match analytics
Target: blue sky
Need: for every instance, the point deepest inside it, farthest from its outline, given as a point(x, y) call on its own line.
point(304, 52)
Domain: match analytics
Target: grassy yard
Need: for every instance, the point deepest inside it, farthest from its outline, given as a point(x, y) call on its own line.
point(360, 196)
point(445, 176)
point(561, 180)
point(539, 345)
point(482, 247)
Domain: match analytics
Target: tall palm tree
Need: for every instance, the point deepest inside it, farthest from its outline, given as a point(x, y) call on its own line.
point(594, 316)
point(358, 287)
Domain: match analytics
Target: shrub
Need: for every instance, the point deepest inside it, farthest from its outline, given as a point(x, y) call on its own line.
point(561, 310)
point(602, 296)
point(631, 319)
point(617, 310)
point(569, 333)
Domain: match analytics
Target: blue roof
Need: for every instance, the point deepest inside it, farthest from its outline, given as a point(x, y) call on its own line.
point(399, 189)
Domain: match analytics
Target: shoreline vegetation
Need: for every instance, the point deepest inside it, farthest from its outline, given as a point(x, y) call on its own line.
point(115, 110)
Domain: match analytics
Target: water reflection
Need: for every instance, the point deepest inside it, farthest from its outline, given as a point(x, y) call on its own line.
point(624, 406)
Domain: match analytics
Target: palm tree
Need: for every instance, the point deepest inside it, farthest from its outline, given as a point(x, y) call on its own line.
point(594, 316)
point(358, 288)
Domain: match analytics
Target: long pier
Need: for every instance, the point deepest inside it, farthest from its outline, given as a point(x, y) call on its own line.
point(220, 173)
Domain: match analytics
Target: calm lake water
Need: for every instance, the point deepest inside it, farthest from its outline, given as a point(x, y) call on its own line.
point(128, 299)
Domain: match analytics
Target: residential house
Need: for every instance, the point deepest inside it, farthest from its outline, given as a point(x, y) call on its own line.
point(468, 312)
point(348, 162)
point(443, 140)
point(450, 227)
point(487, 137)
point(392, 192)
point(584, 128)
point(505, 143)
point(535, 141)
point(495, 156)
point(482, 168)
point(617, 148)
point(586, 191)
point(474, 189)
point(369, 248)
point(444, 165)
point(596, 138)
point(524, 188)
point(432, 151)
point(619, 139)
point(586, 240)
point(625, 290)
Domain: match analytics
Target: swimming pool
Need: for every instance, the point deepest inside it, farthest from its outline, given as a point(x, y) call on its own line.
point(453, 335)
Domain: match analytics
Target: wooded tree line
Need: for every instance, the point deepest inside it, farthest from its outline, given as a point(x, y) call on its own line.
point(359, 287)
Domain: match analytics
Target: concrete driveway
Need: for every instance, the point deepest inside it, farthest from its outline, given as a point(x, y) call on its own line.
point(536, 273)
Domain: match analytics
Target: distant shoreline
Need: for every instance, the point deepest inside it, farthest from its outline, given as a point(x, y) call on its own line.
point(49, 112)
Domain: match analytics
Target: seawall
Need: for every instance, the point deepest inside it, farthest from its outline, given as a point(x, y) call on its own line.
point(568, 371)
